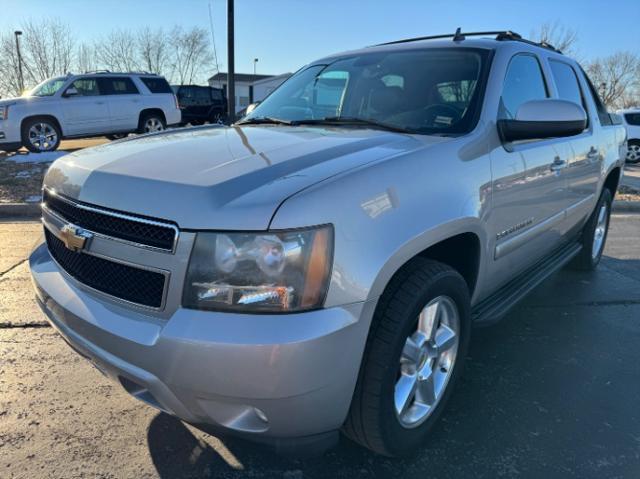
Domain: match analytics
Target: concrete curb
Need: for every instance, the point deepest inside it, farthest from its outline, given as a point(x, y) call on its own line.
point(32, 210)
point(14, 210)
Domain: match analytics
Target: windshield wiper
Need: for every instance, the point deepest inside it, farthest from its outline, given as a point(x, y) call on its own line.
point(264, 120)
point(348, 120)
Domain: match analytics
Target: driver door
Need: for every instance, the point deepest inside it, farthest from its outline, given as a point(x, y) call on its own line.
point(84, 108)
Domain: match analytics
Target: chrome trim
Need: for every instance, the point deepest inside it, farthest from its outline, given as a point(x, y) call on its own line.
point(116, 215)
point(167, 274)
point(511, 244)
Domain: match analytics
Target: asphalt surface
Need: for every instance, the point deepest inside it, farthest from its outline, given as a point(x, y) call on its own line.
point(632, 176)
point(551, 391)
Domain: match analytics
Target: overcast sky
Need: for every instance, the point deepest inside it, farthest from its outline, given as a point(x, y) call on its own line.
point(286, 34)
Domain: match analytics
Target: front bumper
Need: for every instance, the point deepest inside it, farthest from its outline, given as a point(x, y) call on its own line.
point(261, 376)
point(9, 135)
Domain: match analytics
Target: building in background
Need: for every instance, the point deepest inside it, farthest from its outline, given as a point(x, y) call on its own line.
point(249, 88)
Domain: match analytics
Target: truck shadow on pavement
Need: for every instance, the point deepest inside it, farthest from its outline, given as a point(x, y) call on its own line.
point(550, 391)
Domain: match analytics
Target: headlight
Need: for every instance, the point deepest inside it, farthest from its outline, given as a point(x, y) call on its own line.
point(4, 112)
point(280, 271)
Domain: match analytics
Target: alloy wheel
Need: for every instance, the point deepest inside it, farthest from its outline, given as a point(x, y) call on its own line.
point(43, 136)
point(153, 124)
point(600, 231)
point(633, 153)
point(427, 361)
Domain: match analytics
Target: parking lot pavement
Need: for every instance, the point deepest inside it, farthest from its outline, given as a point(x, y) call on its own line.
point(551, 391)
point(632, 176)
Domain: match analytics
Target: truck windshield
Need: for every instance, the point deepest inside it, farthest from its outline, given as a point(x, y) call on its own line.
point(48, 87)
point(430, 91)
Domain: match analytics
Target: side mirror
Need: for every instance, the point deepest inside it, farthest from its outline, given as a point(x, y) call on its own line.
point(71, 91)
point(539, 119)
point(252, 107)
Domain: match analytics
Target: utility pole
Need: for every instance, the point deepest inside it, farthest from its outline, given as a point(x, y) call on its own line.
point(231, 73)
point(17, 33)
point(255, 61)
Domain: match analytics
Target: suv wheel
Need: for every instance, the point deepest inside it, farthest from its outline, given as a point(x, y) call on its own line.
point(594, 235)
point(633, 152)
point(40, 135)
point(414, 354)
point(151, 122)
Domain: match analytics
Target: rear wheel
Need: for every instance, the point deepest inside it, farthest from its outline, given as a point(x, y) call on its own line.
point(594, 235)
point(414, 354)
point(633, 151)
point(151, 122)
point(40, 135)
point(117, 136)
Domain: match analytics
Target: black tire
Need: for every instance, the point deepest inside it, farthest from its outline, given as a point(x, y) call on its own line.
point(117, 136)
point(588, 259)
point(156, 118)
point(635, 158)
point(372, 420)
point(48, 126)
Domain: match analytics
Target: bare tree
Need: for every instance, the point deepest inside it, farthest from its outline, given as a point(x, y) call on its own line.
point(616, 77)
point(152, 49)
point(85, 58)
point(47, 49)
point(190, 54)
point(562, 38)
point(9, 77)
point(117, 51)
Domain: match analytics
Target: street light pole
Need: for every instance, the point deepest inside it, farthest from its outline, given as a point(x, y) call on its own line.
point(231, 73)
point(255, 61)
point(17, 33)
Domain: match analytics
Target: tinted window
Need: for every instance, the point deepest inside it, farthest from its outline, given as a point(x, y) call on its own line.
point(156, 84)
point(524, 82)
point(566, 82)
point(216, 95)
point(86, 87)
point(203, 96)
point(430, 91)
point(633, 118)
point(603, 115)
point(121, 86)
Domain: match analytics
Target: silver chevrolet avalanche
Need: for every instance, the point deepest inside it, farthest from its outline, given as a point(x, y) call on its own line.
point(317, 267)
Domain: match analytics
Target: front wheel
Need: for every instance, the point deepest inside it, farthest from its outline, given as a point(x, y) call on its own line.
point(594, 235)
point(414, 355)
point(40, 135)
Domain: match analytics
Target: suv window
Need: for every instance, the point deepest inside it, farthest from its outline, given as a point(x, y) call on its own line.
point(603, 114)
point(566, 82)
point(86, 87)
point(523, 82)
point(118, 86)
point(156, 84)
point(216, 95)
point(202, 96)
point(633, 119)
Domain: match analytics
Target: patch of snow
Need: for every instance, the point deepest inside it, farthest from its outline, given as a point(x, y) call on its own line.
point(23, 174)
point(44, 157)
point(33, 199)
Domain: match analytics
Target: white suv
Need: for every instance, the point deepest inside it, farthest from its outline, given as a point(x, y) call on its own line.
point(631, 121)
point(93, 104)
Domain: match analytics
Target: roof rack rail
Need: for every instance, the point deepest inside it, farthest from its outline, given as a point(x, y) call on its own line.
point(142, 72)
point(459, 35)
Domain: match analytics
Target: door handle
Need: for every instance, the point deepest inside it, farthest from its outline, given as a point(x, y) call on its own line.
point(558, 164)
point(593, 154)
point(99, 103)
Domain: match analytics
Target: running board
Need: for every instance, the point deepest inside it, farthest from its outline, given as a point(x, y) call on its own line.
point(494, 307)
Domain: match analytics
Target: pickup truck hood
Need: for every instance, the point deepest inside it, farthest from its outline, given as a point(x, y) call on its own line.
point(218, 177)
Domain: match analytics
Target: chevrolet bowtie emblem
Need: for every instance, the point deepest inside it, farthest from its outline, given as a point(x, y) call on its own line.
point(74, 238)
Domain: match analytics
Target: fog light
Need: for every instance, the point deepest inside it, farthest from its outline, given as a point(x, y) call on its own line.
point(2, 137)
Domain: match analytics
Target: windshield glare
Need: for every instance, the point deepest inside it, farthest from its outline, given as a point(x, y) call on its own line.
point(434, 91)
point(48, 87)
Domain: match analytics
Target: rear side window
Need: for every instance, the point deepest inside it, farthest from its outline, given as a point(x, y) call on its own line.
point(156, 84)
point(117, 86)
point(216, 95)
point(566, 82)
point(633, 118)
point(523, 82)
point(603, 114)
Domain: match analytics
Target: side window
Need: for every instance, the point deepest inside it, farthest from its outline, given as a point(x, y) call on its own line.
point(523, 82)
point(603, 114)
point(567, 83)
point(86, 87)
point(122, 86)
point(156, 84)
point(633, 119)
